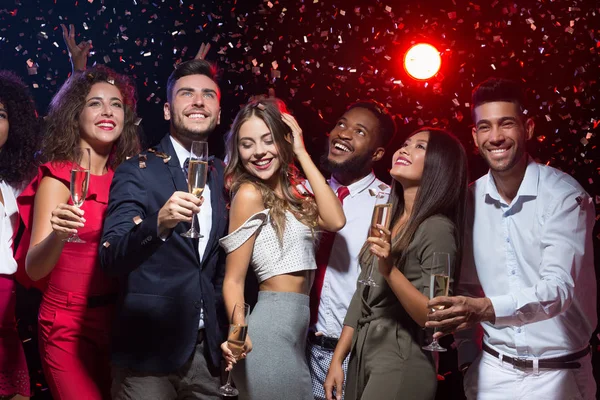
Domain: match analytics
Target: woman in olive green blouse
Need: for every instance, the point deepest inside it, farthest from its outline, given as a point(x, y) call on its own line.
point(383, 328)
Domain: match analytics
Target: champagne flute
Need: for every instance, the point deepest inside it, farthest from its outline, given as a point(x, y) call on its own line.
point(381, 216)
point(80, 179)
point(197, 172)
point(438, 286)
point(238, 329)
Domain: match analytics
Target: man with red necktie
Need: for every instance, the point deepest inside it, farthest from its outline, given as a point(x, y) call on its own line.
point(356, 142)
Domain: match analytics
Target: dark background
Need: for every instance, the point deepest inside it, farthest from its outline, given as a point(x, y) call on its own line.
point(319, 56)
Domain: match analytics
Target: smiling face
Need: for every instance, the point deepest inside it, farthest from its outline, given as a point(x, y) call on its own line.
point(409, 161)
point(500, 134)
point(102, 117)
point(195, 110)
point(3, 125)
point(257, 150)
point(353, 143)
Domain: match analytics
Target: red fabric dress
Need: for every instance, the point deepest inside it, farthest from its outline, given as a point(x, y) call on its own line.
point(78, 303)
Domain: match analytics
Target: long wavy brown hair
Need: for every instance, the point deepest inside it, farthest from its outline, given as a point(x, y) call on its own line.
point(61, 131)
point(302, 205)
point(443, 191)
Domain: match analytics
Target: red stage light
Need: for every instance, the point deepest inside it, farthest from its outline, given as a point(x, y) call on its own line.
point(422, 61)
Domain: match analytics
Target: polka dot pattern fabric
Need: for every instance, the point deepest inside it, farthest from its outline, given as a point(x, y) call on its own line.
point(272, 257)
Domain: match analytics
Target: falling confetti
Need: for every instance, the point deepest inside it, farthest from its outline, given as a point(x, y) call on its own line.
point(319, 56)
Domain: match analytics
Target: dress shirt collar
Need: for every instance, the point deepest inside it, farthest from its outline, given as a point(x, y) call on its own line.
point(180, 151)
point(356, 187)
point(528, 187)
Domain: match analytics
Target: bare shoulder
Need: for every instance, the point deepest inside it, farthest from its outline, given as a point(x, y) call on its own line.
point(247, 196)
point(51, 187)
point(246, 202)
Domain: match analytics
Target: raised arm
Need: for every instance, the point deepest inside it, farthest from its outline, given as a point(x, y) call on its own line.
point(53, 221)
point(331, 213)
point(77, 52)
point(132, 233)
point(435, 234)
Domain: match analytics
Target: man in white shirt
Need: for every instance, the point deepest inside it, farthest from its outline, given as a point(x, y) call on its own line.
point(355, 143)
point(529, 249)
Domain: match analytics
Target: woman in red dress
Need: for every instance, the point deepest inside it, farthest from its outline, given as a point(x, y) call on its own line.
point(19, 139)
point(94, 109)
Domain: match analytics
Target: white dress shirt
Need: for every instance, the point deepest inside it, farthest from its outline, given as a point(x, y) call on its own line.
point(9, 222)
point(535, 261)
point(343, 269)
point(205, 216)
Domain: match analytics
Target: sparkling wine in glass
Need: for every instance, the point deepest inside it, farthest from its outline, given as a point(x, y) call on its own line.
point(80, 179)
point(381, 216)
point(197, 173)
point(238, 329)
point(439, 285)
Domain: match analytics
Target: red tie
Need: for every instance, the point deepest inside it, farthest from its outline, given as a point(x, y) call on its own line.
point(322, 259)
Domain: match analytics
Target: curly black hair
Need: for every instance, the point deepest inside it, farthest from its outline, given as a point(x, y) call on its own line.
point(17, 156)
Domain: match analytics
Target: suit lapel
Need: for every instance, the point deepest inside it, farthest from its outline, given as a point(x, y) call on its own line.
point(174, 165)
point(180, 183)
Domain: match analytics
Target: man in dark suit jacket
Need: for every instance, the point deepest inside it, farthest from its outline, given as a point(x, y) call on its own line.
point(167, 332)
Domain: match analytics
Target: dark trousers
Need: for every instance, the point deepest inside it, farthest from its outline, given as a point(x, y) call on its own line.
point(196, 379)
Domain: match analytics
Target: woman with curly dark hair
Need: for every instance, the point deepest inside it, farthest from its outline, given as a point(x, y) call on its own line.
point(95, 110)
point(19, 140)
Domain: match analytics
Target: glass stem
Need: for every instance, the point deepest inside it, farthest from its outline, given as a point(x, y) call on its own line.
point(229, 378)
point(192, 229)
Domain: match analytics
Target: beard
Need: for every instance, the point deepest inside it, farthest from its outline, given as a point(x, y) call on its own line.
point(351, 166)
point(192, 133)
point(508, 165)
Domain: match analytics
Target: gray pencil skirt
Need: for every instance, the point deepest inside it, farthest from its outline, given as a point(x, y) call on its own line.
point(276, 368)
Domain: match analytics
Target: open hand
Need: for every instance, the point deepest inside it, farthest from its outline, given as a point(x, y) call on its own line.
point(296, 140)
point(203, 51)
point(78, 52)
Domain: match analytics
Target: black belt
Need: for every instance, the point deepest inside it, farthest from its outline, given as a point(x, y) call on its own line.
point(323, 341)
point(101, 300)
point(562, 362)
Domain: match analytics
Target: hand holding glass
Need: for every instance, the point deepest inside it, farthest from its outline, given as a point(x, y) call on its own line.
point(238, 329)
point(80, 178)
point(381, 216)
point(439, 285)
point(197, 174)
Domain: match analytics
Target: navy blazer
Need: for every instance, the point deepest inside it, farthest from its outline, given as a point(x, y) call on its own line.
point(164, 284)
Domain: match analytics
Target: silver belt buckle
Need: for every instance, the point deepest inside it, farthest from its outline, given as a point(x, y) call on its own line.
point(520, 362)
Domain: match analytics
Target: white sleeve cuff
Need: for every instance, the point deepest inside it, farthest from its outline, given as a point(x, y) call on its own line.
point(505, 310)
